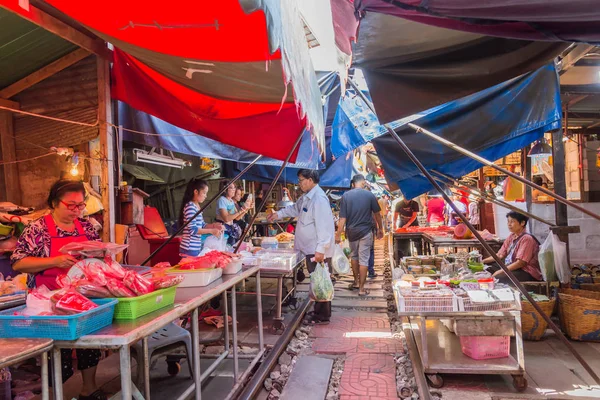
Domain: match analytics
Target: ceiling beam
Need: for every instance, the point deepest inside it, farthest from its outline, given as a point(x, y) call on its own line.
point(59, 28)
point(10, 104)
point(577, 53)
point(584, 115)
point(588, 62)
point(571, 101)
point(580, 89)
point(43, 73)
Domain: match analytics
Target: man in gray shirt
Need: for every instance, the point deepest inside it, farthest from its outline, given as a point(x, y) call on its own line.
point(357, 209)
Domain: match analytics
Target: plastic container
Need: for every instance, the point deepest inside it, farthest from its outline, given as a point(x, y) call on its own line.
point(269, 243)
point(285, 245)
point(431, 303)
point(57, 327)
point(485, 347)
point(233, 267)
point(134, 307)
point(486, 284)
point(198, 278)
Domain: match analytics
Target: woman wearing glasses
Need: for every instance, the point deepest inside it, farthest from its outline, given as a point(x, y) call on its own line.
point(38, 254)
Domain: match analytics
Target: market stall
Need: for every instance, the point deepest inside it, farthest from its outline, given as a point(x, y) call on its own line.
point(17, 350)
point(462, 320)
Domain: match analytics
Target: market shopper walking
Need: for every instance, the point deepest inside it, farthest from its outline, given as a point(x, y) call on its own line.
point(37, 253)
point(315, 232)
point(357, 209)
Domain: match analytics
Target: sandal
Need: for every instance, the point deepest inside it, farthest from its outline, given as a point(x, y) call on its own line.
point(352, 286)
point(97, 395)
point(366, 293)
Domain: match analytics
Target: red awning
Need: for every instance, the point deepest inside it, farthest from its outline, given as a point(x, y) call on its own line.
point(208, 67)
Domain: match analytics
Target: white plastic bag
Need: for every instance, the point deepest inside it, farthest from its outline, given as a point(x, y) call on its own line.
point(561, 265)
point(215, 243)
point(321, 287)
point(339, 261)
point(546, 260)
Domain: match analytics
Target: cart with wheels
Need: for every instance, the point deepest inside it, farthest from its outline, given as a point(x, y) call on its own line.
point(439, 346)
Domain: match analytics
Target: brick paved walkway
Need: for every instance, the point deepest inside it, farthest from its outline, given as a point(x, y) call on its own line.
point(366, 340)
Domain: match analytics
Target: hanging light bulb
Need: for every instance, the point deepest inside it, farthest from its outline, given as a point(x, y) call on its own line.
point(74, 171)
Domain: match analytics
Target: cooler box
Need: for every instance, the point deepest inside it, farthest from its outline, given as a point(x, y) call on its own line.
point(155, 232)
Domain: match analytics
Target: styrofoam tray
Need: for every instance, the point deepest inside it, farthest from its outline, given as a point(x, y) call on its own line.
point(233, 267)
point(198, 278)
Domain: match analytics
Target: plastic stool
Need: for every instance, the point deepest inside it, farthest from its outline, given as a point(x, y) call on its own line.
point(161, 342)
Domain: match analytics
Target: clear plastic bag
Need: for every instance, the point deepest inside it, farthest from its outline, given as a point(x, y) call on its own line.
point(215, 243)
point(321, 287)
point(546, 260)
point(339, 261)
point(561, 265)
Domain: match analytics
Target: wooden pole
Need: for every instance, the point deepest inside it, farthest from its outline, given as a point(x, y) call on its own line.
point(9, 153)
point(107, 150)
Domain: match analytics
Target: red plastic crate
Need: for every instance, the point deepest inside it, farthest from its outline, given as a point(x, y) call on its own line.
point(485, 347)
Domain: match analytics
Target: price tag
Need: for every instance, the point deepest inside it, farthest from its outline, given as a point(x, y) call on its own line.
point(159, 299)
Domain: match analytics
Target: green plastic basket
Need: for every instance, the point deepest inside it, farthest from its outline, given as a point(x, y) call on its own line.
point(135, 307)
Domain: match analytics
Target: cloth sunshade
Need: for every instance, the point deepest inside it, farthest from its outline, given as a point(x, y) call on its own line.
point(492, 123)
point(219, 69)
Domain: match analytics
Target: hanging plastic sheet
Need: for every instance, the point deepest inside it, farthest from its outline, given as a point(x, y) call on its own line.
point(492, 123)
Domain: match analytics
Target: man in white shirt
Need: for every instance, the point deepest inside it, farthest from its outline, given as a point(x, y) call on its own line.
point(315, 231)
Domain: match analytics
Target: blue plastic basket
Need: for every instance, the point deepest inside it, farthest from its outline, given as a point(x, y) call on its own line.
point(57, 327)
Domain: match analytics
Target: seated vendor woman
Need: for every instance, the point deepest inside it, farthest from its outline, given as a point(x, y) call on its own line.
point(519, 252)
point(38, 254)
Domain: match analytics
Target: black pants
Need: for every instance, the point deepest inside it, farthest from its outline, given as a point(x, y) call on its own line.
point(85, 359)
point(322, 309)
point(522, 276)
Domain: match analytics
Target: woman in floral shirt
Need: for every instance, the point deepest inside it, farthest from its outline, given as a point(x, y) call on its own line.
point(38, 254)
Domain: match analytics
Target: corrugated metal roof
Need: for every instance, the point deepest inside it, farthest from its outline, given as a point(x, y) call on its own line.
point(25, 48)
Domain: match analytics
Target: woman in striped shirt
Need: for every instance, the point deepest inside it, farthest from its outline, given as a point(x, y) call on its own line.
point(191, 242)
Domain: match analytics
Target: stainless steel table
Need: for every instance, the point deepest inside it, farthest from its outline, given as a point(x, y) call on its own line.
point(13, 351)
point(122, 334)
point(441, 241)
point(13, 302)
point(281, 275)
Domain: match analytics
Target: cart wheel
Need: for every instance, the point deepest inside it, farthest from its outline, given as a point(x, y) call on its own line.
point(520, 382)
point(278, 326)
point(435, 380)
point(173, 368)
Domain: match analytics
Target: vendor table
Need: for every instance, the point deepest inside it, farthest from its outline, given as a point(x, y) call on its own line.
point(440, 350)
point(18, 350)
point(122, 334)
point(281, 275)
point(13, 302)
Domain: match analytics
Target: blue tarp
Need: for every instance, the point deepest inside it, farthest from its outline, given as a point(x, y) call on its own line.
point(492, 123)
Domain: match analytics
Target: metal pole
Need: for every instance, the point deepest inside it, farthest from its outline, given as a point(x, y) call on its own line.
point(204, 206)
point(491, 164)
point(491, 251)
point(266, 195)
point(484, 196)
point(560, 185)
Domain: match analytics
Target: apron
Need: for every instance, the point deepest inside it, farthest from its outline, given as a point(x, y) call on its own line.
point(48, 277)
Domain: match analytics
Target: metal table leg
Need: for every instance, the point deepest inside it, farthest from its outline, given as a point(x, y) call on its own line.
point(226, 319)
point(196, 354)
point(236, 367)
point(57, 374)
point(425, 356)
point(45, 394)
point(126, 384)
point(146, 361)
point(259, 313)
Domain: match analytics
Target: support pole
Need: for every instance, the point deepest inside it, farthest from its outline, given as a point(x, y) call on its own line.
point(266, 195)
point(204, 206)
point(560, 186)
point(482, 160)
point(489, 249)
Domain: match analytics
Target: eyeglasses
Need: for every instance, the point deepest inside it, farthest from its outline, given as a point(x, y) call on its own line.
point(300, 180)
point(73, 207)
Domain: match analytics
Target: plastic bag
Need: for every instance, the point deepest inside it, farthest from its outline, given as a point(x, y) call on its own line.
point(163, 282)
point(38, 302)
point(137, 283)
point(92, 248)
point(92, 269)
point(88, 289)
point(118, 289)
point(339, 261)
point(321, 287)
point(112, 269)
point(67, 302)
point(546, 260)
point(561, 266)
point(215, 243)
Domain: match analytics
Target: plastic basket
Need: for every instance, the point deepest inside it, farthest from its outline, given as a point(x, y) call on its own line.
point(426, 304)
point(465, 304)
point(485, 347)
point(57, 327)
point(135, 307)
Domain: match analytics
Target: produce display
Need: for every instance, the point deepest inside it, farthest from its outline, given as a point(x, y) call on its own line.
point(284, 237)
point(427, 229)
